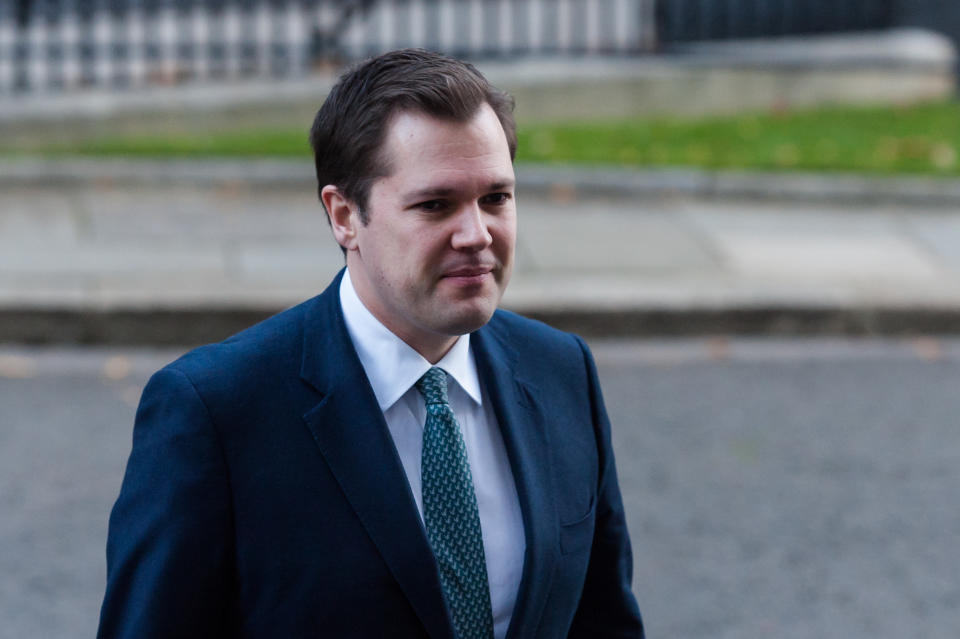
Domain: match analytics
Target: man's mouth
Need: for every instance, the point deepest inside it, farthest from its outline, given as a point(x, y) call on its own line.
point(468, 275)
point(468, 271)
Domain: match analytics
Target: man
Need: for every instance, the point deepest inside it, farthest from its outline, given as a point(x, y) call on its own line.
point(395, 457)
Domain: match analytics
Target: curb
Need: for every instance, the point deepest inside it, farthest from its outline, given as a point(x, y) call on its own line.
point(167, 327)
point(751, 185)
point(562, 181)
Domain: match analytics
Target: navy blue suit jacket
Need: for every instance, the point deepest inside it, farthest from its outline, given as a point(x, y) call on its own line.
point(264, 497)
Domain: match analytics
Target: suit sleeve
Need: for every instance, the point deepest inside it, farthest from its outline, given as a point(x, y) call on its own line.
point(607, 606)
point(169, 548)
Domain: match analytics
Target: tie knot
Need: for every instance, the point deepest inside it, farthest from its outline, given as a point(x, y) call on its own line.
point(433, 386)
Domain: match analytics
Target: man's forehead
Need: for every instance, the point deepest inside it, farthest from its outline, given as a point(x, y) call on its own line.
point(423, 143)
point(402, 123)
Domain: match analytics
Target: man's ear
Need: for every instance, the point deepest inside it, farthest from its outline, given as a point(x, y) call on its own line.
point(344, 216)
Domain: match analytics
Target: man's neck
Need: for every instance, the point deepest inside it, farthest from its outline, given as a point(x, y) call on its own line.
point(432, 347)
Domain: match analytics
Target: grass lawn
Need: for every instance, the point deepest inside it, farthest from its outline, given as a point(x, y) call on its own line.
point(922, 139)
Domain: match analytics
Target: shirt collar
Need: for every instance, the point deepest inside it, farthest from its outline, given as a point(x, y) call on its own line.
point(391, 365)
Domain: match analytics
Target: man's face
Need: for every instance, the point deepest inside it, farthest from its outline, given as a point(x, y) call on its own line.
point(437, 251)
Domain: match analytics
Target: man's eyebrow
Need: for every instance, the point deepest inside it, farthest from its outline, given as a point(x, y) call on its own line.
point(500, 186)
point(443, 191)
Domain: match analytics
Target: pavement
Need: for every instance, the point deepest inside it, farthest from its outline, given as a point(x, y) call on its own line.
point(187, 252)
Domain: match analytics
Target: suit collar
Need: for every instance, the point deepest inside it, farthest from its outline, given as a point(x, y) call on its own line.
point(349, 430)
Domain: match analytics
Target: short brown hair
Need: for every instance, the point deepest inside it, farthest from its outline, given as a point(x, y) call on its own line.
point(348, 132)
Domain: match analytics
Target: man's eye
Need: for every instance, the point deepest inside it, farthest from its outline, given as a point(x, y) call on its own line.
point(496, 198)
point(431, 205)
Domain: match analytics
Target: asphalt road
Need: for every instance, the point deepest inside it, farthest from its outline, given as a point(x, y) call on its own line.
point(782, 489)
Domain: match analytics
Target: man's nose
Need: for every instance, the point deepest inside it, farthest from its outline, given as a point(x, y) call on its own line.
point(471, 233)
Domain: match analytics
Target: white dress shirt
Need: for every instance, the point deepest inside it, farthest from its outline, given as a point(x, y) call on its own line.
point(393, 367)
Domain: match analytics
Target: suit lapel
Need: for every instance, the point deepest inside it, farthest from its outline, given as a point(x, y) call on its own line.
point(348, 427)
point(517, 405)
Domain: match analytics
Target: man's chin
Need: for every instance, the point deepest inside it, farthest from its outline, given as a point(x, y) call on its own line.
point(469, 319)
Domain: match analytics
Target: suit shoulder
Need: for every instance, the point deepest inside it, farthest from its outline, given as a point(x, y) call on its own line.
point(252, 353)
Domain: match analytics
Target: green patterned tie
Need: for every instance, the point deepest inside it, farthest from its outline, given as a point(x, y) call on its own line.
point(450, 513)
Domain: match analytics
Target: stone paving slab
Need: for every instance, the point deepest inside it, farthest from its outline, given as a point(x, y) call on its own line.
point(599, 236)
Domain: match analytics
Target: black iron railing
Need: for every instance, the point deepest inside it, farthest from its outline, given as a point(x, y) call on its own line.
point(61, 44)
point(691, 20)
